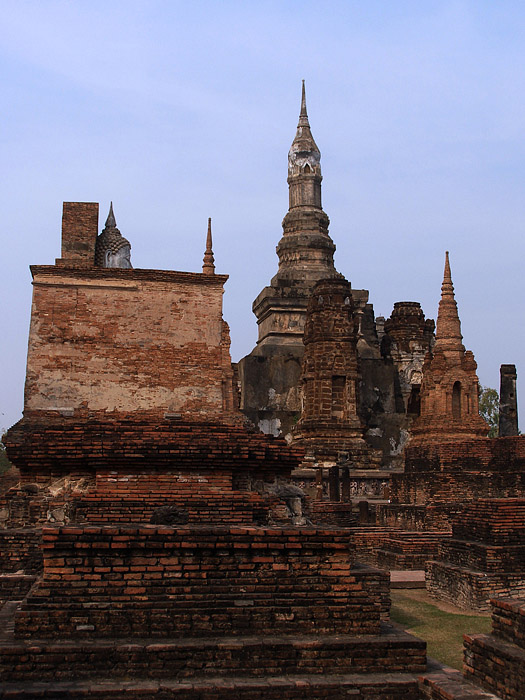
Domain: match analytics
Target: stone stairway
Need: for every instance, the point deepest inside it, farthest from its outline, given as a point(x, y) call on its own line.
point(241, 612)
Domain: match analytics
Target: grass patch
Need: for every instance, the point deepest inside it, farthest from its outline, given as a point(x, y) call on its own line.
point(443, 631)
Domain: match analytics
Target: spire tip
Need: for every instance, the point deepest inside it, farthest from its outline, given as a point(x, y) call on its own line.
point(110, 221)
point(208, 267)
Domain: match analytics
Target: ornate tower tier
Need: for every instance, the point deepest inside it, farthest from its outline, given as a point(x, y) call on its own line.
point(305, 251)
point(329, 422)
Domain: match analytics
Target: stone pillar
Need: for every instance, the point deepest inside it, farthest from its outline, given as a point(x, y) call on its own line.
point(508, 402)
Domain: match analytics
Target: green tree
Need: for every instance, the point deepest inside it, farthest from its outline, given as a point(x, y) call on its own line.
point(489, 408)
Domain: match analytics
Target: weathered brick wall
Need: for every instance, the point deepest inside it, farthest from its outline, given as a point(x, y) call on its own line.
point(14, 587)
point(484, 558)
point(121, 471)
point(52, 449)
point(331, 513)
point(152, 580)
point(495, 521)
point(409, 550)
point(124, 341)
point(420, 518)
point(234, 508)
point(508, 620)
point(250, 657)
point(496, 454)
point(468, 589)
point(17, 546)
point(79, 233)
point(458, 487)
point(449, 684)
point(439, 479)
point(496, 661)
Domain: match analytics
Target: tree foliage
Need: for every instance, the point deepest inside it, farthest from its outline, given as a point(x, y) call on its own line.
point(489, 408)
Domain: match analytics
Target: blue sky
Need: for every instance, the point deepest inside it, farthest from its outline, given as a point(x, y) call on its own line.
point(178, 111)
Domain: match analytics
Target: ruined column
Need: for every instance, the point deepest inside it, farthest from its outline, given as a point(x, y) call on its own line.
point(508, 401)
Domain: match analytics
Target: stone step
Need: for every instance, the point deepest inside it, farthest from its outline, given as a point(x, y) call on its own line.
point(391, 652)
point(114, 619)
point(497, 665)
point(325, 687)
point(449, 684)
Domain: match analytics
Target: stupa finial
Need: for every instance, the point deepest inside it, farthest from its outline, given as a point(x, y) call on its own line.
point(208, 267)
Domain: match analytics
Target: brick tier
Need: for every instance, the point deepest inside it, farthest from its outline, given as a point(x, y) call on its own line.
point(485, 557)
point(151, 580)
point(497, 661)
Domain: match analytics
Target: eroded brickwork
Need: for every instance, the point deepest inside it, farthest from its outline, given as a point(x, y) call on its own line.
point(449, 390)
point(329, 422)
point(117, 342)
point(79, 233)
point(497, 661)
point(117, 582)
point(485, 556)
point(439, 479)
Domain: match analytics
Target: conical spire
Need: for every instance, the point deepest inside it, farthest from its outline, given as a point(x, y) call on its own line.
point(304, 164)
point(110, 221)
point(303, 116)
point(448, 326)
point(208, 267)
point(303, 149)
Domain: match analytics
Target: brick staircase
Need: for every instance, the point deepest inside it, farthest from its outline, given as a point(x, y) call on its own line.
point(206, 612)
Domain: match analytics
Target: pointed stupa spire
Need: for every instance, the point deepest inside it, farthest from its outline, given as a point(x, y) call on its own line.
point(304, 163)
point(110, 221)
point(448, 325)
point(208, 267)
point(303, 115)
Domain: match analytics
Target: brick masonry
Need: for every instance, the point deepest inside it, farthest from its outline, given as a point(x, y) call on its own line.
point(497, 661)
point(125, 581)
point(440, 478)
point(117, 341)
point(484, 558)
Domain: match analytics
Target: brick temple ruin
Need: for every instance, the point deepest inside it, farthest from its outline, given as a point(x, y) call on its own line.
point(154, 543)
point(389, 354)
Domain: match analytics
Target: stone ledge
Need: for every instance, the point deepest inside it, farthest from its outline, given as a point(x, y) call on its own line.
point(331, 687)
point(390, 652)
point(449, 684)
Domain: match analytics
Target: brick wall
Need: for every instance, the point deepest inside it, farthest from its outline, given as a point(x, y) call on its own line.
point(17, 547)
point(331, 513)
point(129, 581)
point(234, 508)
point(79, 233)
point(500, 454)
point(80, 448)
point(484, 558)
point(121, 341)
point(495, 661)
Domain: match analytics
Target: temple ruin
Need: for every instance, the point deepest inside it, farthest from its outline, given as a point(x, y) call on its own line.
point(179, 527)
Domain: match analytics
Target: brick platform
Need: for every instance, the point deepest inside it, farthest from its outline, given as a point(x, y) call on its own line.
point(485, 557)
point(449, 684)
point(440, 478)
point(409, 550)
point(497, 661)
point(330, 687)
point(110, 581)
point(200, 612)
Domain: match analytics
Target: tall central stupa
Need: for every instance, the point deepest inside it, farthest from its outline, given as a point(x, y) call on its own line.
point(305, 251)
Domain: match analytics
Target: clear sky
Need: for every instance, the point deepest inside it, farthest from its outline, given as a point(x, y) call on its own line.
point(178, 111)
